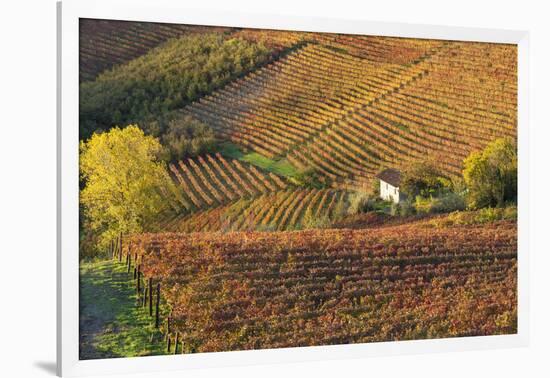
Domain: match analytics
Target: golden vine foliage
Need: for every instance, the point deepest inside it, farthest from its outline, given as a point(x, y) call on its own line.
point(250, 290)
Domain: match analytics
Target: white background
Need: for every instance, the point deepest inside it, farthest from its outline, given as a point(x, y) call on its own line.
point(27, 187)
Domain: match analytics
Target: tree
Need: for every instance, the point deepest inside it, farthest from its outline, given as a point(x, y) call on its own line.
point(491, 174)
point(186, 137)
point(422, 179)
point(124, 184)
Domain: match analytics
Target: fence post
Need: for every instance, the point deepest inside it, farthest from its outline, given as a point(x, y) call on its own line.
point(168, 326)
point(176, 343)
point(120, 248)
point(138, 282)
point(157, 306)
point(145, 292)
point(150, 297)
point(129, 261)
point(168, 341)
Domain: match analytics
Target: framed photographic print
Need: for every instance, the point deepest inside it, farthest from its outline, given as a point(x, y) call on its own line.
point(239, 189)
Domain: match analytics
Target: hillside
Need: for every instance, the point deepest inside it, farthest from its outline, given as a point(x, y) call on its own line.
point(167, 77)
point(290, 209)
point(108, 43)
point(344, 105)
point(240, 181)
point(348, 116)
point(459, 102)
point(266, 290)
point(213, 180)
point(215, 193)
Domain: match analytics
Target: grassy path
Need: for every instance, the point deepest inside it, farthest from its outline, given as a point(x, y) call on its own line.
point(111, 325)
point(280, 167)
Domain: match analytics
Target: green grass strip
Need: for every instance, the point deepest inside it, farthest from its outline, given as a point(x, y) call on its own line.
point(111, 323)
point(280, 167)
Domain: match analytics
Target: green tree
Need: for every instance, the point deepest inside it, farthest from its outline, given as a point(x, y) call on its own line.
point(491, 174)
point(124, 183)
point(422, 179)
point(186, 137)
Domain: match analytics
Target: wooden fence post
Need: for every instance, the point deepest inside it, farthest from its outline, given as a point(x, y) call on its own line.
point(129, 261)
point(138, 283)
point(135, 263)
point(150, 297)
point(157, 306)
point(176, 343)
point(168, 326)
point(120, 248)
point(145, 292)
point(168, 341)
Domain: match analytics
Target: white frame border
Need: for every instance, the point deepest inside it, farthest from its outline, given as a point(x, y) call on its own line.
point(170, 11)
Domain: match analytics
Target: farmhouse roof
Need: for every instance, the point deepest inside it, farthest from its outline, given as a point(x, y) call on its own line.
point(391, 176)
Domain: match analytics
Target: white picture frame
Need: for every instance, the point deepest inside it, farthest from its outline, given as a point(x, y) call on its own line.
point(170, 11)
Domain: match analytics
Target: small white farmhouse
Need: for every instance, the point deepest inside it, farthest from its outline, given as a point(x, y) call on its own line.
point(389, 185)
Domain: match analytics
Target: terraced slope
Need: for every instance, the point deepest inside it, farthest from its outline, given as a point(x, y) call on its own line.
point(212, 180)
point(283, 105)
point(290, 209)
point(373, 48)
point(464, 98)
point(106, 43)
point(346, 105)
point(240, 291)
point(379, 49)
point(349, 106)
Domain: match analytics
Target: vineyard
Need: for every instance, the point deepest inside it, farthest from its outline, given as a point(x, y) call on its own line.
point(212, 180)
point(247, 203)
point(275, 211)
point(263, 290)
point(104, 44)
point(452, 99)
point(288, 102)
point(412, 123)
point(344, 105)
point(221, 194)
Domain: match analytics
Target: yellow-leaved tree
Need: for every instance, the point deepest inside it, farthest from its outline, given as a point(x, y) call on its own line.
point(491, 175)
point(125, 184)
